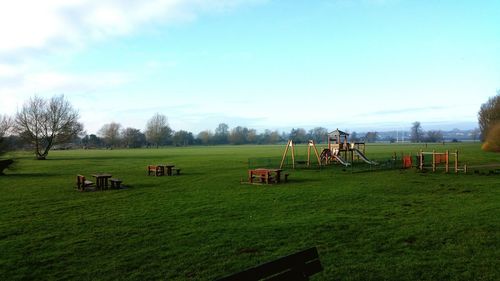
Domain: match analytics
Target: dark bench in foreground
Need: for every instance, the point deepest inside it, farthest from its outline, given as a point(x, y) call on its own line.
point(298, 266)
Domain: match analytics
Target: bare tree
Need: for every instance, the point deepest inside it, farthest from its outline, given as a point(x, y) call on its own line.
point(319, 134)
point(111, 134)
point(371, 137)
point(221, 134)
point(417, 133)
point(205, 137)
point(434, 136)
point(157, 130)
point(5, 127)
point(133, 137)
point(47, 122)
point(489, 115)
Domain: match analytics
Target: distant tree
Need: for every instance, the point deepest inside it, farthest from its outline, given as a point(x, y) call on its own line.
point(238, 135)
point(489, 115)
point(5, 127)
point(92, 141)
point(318, 134)
point(371, 137)
point(158, 131)
point(205, 137)
point(252, 136)
point(434, 136)
point(46, 123)
point(417, 133)
point(183, 138)
point(298, 135)
point(354, 137)
point(133, 138)
point(221, 134)
point(111, 134)
point(270, 137)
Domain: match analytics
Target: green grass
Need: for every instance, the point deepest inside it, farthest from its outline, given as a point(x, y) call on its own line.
point(384, 225)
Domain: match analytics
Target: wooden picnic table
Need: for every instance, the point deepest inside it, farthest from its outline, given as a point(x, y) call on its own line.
point(265, 175)
point(169, 168)
point(101, 180)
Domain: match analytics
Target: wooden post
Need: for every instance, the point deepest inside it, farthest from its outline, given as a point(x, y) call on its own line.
point(447, 161)
point(421, 158)
point(289, 143)
point(433, 161)
point(465, 168)
point(316, 152)
point(456, 161)
point(309, 154)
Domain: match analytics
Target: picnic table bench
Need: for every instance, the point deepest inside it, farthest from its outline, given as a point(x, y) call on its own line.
point(115, 183)
point(297, 266)
point(157, 170)
point(82, 183)
point(265, 175)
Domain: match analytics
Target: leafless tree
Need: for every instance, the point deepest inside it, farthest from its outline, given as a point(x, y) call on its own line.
point(489, 115)
point(434, 136)
point(111, 134)
point(47, 122)
point(133, 137)
point(5, 127)
point(157, 130)
point(417, 133)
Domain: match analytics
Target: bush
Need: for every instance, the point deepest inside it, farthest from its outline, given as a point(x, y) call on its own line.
point(492, 141)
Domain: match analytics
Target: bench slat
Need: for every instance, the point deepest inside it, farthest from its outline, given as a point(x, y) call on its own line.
point(305, 262)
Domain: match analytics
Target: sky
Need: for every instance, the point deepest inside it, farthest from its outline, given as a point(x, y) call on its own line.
point(264, 64)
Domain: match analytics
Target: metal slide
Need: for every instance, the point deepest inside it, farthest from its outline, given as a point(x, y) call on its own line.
point(362, 156)
point(341, 160)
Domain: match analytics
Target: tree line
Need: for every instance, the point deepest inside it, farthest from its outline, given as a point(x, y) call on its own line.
point(42, 124)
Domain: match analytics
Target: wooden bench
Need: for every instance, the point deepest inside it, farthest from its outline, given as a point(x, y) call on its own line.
point(157, 170)
point(177, 171)
point(115, 183)
point(82, 183)
point(298, 266)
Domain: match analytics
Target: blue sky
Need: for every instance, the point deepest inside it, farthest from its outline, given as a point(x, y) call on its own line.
point(351, 64)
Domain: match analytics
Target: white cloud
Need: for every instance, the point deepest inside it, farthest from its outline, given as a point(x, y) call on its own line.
point(32, 31)
point(43, 25)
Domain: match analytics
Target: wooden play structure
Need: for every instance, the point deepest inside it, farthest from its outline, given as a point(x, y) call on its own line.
point(439, 160)
point(290, 146)
point(341, 151)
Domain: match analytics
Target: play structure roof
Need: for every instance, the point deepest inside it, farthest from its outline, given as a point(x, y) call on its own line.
point(337, 133)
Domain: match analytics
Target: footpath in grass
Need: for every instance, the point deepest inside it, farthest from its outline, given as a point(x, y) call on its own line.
point(203, 224)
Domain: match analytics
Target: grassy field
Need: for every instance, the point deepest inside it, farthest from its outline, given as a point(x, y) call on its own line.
point(204, 224)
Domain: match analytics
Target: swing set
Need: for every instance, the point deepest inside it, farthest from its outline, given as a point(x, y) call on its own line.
point(290, 146)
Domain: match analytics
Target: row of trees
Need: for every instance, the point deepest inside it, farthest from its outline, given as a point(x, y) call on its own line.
point(44, 123)
point(417, 134)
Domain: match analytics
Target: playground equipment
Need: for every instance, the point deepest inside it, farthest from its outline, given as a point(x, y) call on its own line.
point(439, 158)
point(290, 146)
point(339, 150)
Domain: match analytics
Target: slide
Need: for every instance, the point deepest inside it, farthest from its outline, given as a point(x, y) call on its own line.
point(341, 160)
point(362, 156)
